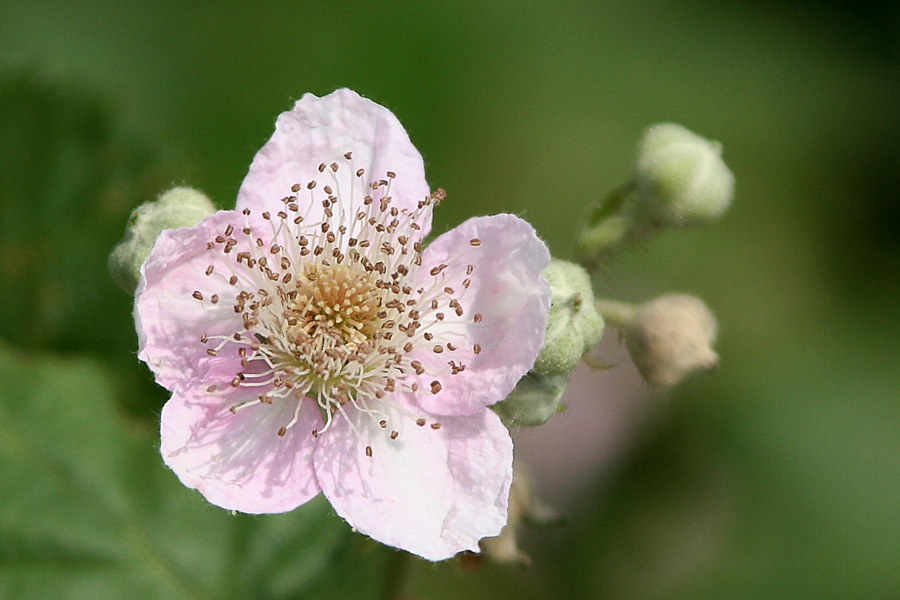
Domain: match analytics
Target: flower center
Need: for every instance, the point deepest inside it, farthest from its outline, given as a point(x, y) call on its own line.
point(329, 304)
point(334, 299)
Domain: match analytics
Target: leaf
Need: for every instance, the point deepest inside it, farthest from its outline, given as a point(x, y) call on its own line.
point(89, 511)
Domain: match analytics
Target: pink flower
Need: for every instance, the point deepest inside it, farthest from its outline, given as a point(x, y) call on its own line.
point(312, 344)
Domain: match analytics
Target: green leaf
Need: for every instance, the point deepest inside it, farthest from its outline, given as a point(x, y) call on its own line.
point(90, 511)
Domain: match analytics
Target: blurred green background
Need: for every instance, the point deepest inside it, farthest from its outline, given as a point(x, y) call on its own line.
point(776, 477)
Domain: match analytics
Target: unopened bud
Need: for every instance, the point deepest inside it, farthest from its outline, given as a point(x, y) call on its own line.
point(179, 207)
point(681, 179)
point(671, 337)
point(523, 507)
point(534, 400)
point(573, 326)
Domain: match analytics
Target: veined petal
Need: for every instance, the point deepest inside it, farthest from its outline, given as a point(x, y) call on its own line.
point(433, 492)
point(174, 305)
point(504, 302)
point(321, 131)
point(237, 459)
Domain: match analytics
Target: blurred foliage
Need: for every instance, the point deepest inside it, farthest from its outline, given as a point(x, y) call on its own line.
point(95, 516)
point(775, 477)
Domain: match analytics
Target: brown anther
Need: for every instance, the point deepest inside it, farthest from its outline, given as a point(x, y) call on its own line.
point(197, 295)
point(420, 422)
point(428, 336)
point(209, 270)
point(282, 431)
point(214, 299)
point(435, 387)
point(311, 184)
point(477, 318)
point(475, 242)
point(476, 348)
point(394, 435)
point(382, 423)
point(211, 352)
point(435, 425)
point(295, 188)
point(348, 155)
point(232, 280)
point(438, 349)
point(369, 451)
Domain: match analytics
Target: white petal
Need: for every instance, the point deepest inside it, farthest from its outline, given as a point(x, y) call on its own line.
point(170, 320)
point(237, 460)
point(433, 492)
point(507, 289)
point(322, 130)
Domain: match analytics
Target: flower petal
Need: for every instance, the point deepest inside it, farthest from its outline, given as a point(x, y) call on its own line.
point(170, 319)
point(511, 296)
point(321, 131)
point(433, 492)
point(237, 460)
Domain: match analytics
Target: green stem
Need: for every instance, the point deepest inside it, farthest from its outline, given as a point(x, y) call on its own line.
point(398, 569)
point(618, 314)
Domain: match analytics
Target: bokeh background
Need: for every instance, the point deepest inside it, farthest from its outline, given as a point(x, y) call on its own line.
point(778, 476)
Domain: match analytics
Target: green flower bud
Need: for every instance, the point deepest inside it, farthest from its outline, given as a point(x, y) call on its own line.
point(535, 399)
point(670, 338)
point(179, 207)
point(681, 178)
point(573, 326)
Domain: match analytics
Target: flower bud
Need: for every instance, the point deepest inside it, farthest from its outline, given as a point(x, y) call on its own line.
point(534, 400)
point(179, 207)
point(523, 507)
point(670, 338)
point(681, 178)
point(573, 326)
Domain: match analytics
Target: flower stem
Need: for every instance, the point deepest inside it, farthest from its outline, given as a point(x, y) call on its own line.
point(616, 313)
point(398, 570)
